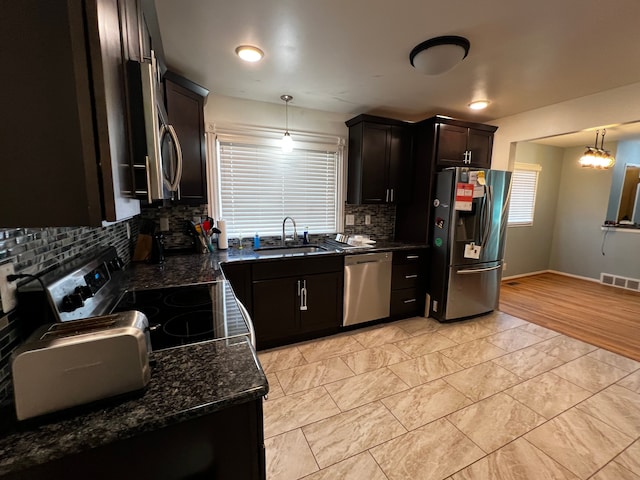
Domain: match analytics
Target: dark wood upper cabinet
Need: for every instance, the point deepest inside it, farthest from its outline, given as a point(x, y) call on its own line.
point(439, 142)
point(185, 107)
point(68, 74)
point(462, 144)
point(379, 160)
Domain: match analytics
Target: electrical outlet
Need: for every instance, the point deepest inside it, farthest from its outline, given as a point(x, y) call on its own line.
point(367, 219)
point(504, 267)
point(349, 219)
point(7, 289)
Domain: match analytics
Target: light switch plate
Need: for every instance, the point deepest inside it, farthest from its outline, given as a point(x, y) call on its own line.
point(7, 289)
point(349, 219)
point(367, 219)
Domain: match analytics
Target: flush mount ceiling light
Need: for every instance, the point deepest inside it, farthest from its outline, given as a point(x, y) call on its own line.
point(249, 53)
point(440, 54)
point(287, 141)
point(479, 104)
point(595, 157)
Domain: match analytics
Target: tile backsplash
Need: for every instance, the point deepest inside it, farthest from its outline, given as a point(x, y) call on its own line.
point(34, 250)
point(176, 216)
point(383, 219)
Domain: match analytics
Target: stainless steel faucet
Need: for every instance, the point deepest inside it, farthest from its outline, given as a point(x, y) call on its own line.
point(295, 230)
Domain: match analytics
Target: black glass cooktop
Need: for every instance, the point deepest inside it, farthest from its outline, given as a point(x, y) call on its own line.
point(187, 314)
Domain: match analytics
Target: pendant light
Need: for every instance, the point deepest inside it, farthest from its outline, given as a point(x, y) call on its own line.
point(595, 157)
point(287, 141)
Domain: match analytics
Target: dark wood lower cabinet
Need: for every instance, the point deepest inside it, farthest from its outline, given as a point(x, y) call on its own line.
point(226, 444)
point(293, 308)
point(408, 283)
point(296, 299)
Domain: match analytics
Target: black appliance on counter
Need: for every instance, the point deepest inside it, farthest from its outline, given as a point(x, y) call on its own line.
point(95, 285)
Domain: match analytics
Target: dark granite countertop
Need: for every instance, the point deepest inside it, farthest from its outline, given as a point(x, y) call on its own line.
point(186, 383)
point(203, 268)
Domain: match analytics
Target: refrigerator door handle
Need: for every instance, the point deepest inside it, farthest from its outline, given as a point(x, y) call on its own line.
point(487, 216)
point(469, 271)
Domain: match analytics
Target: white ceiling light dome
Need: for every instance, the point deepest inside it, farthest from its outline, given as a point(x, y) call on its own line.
point(479, 104)
point(440, 54)
point(249, 53)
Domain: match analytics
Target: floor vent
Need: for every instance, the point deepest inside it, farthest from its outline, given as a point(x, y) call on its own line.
point(620, 282)
point(513, 284)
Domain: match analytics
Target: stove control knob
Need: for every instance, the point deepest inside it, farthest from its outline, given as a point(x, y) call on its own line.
point(115, 264)
point(71, 302)
point(84, 291)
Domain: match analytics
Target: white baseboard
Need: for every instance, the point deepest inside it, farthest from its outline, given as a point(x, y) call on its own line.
point(597, 280)
point(551, 271)
point(510, 277)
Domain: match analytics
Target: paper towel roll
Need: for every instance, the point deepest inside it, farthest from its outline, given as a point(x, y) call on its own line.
point(223, 244)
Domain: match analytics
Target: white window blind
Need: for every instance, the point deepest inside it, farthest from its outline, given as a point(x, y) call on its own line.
point(259, 186)
point(524, 184)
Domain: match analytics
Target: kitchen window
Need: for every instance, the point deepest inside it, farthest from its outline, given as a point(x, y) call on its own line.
point(256, 185)
point(524, 184)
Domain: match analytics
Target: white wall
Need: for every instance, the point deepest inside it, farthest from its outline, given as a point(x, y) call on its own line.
point(619, 105)
point(235, 111)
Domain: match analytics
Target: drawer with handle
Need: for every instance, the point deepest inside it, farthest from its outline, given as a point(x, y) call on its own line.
point(406, 302)
point(406, 276)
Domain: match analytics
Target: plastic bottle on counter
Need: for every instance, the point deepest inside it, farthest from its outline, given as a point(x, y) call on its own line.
point(305, 235)
point(256, 241)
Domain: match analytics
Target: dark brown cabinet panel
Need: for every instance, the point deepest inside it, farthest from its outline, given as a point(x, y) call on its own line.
point(69, 70)
point(292, 302)
point(275, 306)
point(439, 142)
point(408, 283)
point(185, 107)
point(239, 276)
point(463, 146)
point(379, 161)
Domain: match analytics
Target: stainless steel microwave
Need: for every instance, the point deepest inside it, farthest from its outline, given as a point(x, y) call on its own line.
point(157, 154)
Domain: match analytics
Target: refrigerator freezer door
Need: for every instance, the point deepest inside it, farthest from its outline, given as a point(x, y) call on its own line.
point(485, 224)
point(472, 290)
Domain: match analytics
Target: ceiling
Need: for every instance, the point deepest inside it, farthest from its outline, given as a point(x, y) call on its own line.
point(352, 56)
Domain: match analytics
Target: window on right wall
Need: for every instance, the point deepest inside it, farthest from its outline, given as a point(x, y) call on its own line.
point(524, 184)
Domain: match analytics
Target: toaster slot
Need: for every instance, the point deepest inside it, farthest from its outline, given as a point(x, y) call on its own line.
point(78, 327)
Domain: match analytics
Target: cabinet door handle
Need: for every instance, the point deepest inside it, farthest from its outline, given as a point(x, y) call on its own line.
point(387, 199)
point(411, 300)
point(412, 257)
point(298, 287)
point(411, 276)
point(303, 295)
point(392, 194)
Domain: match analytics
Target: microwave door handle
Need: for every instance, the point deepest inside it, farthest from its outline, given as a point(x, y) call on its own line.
point(178, 149)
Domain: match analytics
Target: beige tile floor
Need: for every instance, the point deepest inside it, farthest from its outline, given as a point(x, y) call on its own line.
point(486, 399)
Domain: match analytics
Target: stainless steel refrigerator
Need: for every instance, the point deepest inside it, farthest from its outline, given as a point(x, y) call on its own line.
point(469, 224)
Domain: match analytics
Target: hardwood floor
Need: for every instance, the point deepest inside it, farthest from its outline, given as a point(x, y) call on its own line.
point(605, 316)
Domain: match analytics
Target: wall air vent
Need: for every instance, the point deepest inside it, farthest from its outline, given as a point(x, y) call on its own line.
point(620, 282)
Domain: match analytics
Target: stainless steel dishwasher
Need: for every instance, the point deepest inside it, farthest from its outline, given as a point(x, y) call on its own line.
point(367, 287)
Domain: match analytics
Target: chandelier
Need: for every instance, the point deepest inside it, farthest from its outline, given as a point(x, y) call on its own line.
point(595, 157)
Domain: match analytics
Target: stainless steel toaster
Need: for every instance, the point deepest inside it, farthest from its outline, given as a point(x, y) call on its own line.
point(72, 363)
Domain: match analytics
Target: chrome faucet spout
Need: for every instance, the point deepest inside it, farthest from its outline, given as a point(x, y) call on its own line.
point(295, 230)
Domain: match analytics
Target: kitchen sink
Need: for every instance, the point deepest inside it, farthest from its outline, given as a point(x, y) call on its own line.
point(290, 249)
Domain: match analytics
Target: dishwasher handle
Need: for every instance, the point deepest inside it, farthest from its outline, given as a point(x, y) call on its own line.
point(367, 258)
